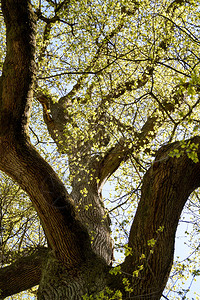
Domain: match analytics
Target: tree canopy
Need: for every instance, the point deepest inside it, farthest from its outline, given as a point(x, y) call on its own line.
point(98, 95)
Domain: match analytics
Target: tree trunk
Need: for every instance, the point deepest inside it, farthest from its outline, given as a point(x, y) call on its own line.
point(58, 282)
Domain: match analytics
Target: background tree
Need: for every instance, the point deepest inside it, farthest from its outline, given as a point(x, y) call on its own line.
point(118, 86)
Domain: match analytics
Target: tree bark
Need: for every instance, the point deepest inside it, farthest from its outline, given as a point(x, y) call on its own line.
point(23, 274)
point(17, 156)
point(57, 282)
point(166, 188)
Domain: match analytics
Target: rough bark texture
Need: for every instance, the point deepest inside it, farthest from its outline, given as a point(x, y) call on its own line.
point(166, 187)
point(23, 274)
point(60, 283)
point(17, 157)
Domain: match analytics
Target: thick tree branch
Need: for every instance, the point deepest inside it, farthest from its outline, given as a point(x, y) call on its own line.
point(166, 187)
point(15, 108)
point(23, 274)
point(18, 158)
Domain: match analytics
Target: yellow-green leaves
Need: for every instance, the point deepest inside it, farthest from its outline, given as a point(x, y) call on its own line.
point(84, 192)
point(106, 294)
point(138, 270)
point(116, 270)
point(189, 148)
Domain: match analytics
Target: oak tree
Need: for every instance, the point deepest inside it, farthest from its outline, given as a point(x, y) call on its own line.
point(112, 88)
